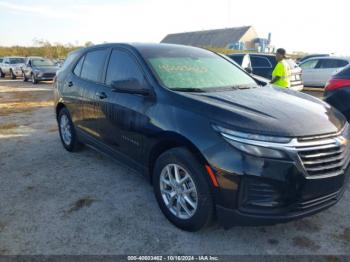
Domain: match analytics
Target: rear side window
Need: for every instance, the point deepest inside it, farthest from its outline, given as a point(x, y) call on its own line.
point(79, 65)
point(332, 63)
point(122, 67)
point(259, 62)
point(93, 64)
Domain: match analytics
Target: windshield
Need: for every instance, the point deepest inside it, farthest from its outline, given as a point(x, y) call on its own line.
point(178, 67)
point(17, 60)
point(42, 62)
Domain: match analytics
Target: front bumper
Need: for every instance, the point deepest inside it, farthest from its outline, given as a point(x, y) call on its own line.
point(264, 191)
point(298, 209)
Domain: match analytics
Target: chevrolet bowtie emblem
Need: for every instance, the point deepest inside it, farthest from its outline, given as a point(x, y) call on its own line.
point(342, 141)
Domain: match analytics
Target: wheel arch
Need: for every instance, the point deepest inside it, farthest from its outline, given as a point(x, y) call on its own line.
point(59, 107)
point(167, 141)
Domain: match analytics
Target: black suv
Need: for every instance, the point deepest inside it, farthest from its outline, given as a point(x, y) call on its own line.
point(213, 143)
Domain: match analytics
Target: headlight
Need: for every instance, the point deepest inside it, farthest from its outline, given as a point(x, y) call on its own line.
point(253, 144)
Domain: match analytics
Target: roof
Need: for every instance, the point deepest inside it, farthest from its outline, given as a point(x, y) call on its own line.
point(216, 37)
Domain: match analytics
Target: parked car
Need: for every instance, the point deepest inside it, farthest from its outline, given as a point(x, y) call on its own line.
point(299, 61)
point(337, 92)
point(39, 69)
point(212, 142)
point(263, 65)
point(316, 71)
point(12, 66)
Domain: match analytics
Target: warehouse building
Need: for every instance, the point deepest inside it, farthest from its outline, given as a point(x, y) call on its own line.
point(239, 38)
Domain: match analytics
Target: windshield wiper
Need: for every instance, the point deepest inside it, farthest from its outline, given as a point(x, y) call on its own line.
point(243, 87)
point(188, 89)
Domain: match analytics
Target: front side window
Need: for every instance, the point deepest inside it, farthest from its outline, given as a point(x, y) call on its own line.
point(93, 64)
point(309, 64)
point(122, 67)
point(186, 67)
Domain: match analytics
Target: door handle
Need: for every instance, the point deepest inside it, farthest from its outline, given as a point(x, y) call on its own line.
point(101, 95)
point(70, 83)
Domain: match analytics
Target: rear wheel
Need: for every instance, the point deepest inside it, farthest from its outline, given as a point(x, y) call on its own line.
point(182, 191)
point(12, 75)
point(67, 131)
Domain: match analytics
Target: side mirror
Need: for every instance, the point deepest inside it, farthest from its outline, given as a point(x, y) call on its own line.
point(130, 86)
point(248, 70)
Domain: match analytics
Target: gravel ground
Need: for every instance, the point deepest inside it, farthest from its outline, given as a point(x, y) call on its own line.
point(55, 202)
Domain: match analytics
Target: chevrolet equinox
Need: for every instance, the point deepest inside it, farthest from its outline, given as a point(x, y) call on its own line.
point(214, 144)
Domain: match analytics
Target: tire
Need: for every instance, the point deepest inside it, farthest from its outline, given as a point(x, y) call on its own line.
point(34, 80)
point(195, 218)
point(2, 75)
point(65, 124)
point(12, 75)
point(25, 79)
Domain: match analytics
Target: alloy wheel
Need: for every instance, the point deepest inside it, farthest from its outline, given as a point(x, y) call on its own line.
point(178, 191)
point(66, 131)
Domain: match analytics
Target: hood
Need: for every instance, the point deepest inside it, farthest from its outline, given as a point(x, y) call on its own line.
point(270, 111)
point(46, 69)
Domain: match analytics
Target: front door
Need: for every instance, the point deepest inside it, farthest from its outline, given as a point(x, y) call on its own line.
point(126, 121)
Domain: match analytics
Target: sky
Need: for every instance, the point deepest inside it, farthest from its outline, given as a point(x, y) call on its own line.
point(307, 25)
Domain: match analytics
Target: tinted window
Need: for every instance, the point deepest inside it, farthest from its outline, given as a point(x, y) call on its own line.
point(237, 58)
point(17, 60)
point(69, 60)
point(122, 67)
point(309, 64)
point(77, 69)
point(1, 59)
point(332, 63)
point(259, 62)
point(93, 65)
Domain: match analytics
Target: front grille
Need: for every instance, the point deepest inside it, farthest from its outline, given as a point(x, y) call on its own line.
point(49, 75)
point(325, 156)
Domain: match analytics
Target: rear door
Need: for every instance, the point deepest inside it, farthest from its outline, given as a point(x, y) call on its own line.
point(261, 66)
point(87, 88)
point(327, 67)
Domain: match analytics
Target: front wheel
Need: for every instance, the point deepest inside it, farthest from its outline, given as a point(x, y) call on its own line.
point(67, 132)
point(2, 75)
point(182, 190)
point(34, 80)
point(25, 79)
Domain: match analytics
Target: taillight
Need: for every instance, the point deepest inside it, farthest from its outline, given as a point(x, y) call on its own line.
point(336, 83)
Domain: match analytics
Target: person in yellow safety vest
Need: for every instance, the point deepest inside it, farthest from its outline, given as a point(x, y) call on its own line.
point(281, 73)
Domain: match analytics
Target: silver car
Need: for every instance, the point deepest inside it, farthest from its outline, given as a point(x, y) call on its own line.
point(12, 66)
point(318, 70)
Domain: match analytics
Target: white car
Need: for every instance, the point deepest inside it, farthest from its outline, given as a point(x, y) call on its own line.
point(12, 66)
point(318, 70)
